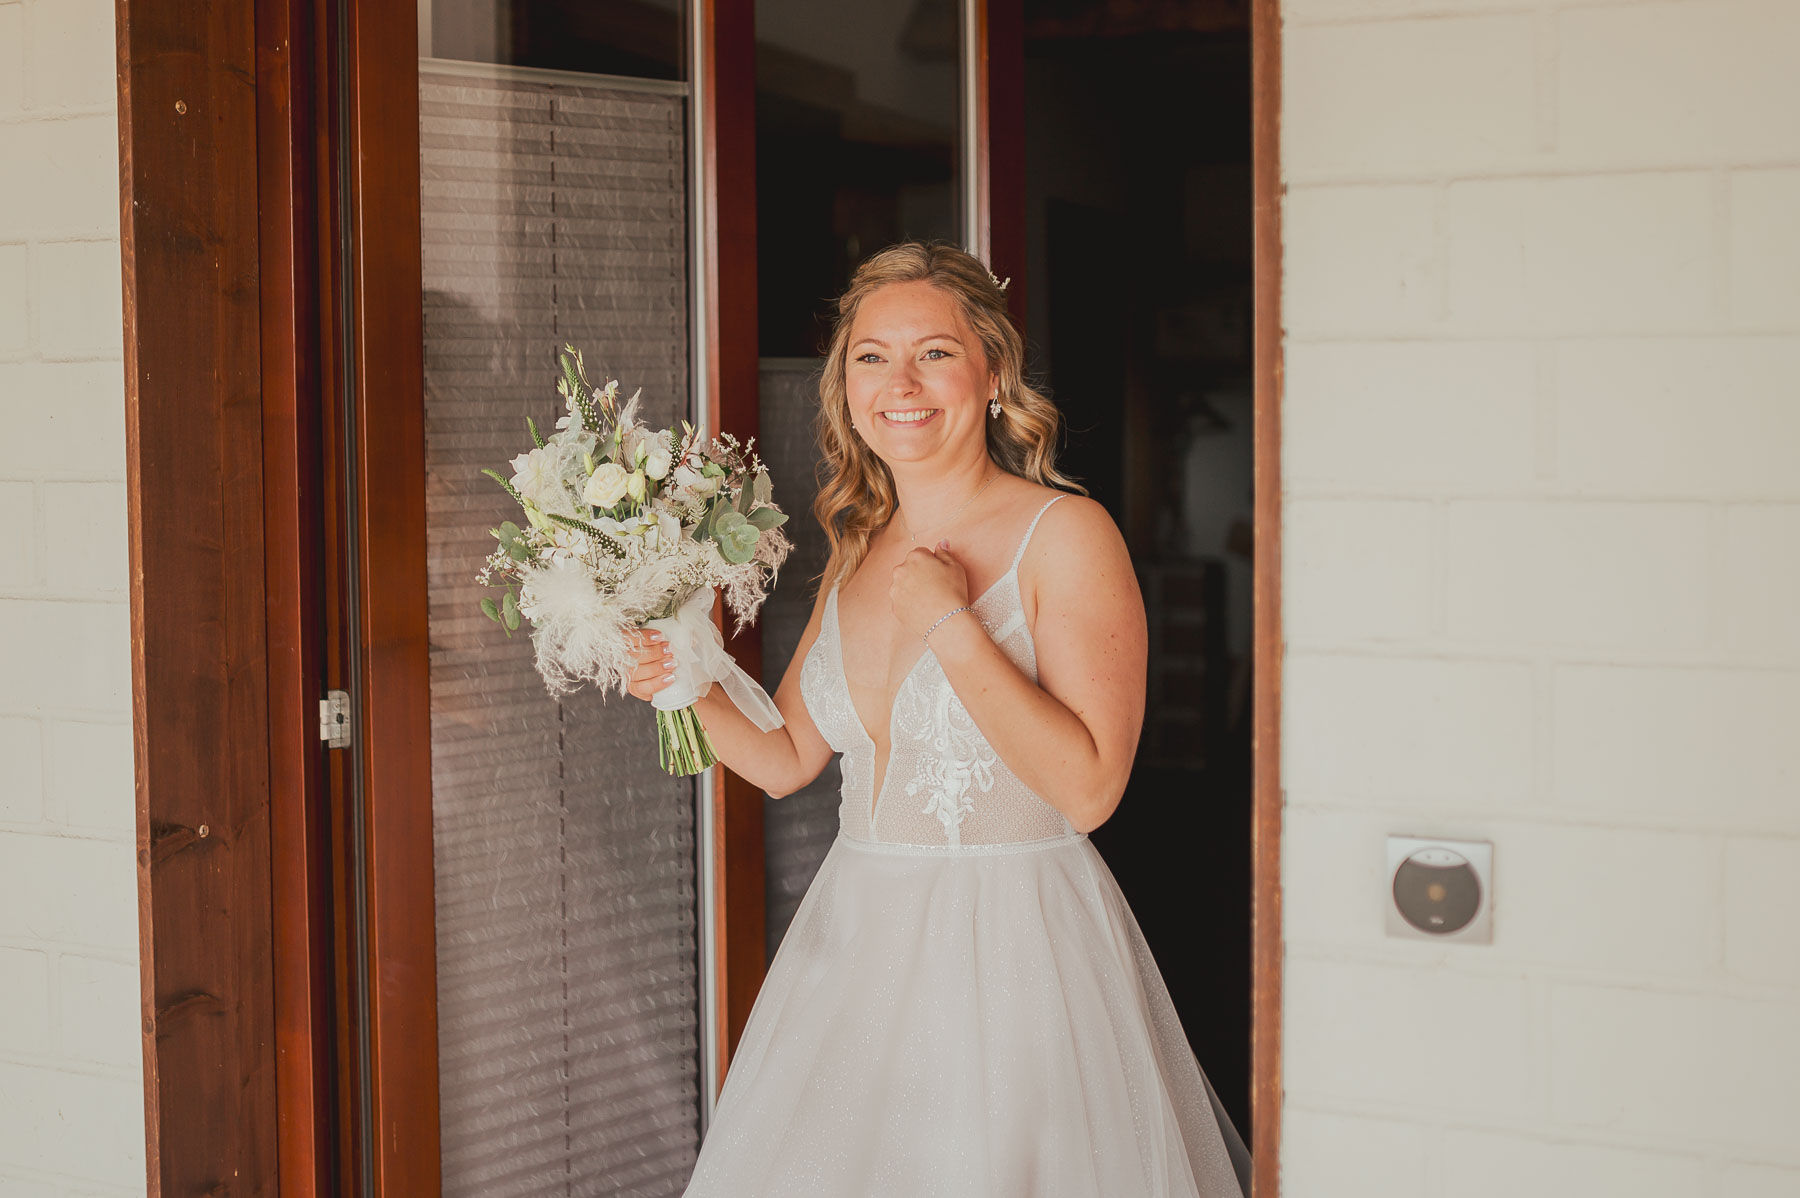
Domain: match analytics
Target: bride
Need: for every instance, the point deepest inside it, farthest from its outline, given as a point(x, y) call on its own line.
point(964, 1003)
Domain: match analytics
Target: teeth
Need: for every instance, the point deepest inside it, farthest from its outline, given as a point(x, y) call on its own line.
point(910, 417)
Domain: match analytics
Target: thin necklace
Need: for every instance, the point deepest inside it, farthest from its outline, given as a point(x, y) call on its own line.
point(953, 515)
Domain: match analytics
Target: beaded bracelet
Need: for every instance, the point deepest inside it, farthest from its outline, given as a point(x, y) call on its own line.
point(927, 637)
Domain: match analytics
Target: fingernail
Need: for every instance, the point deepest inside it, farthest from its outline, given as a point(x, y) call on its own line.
point(944, 544)
point(668, 677)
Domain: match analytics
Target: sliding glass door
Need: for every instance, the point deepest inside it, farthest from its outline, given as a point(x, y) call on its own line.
point(553, 207)
point(546, 947)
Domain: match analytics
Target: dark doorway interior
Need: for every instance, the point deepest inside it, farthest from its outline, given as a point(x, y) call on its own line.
point(1139, 303)
point(1138, 296)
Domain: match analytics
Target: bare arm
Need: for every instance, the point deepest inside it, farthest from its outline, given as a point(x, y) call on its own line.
point(779, 762)
point(1073, 734)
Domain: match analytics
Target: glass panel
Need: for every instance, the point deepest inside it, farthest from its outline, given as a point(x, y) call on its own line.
point(857, 147)
point(640, 38)
point(554, 209)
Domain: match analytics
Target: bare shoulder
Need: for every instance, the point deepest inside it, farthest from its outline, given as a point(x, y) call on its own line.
point(1077, 555)
point(1076, 526)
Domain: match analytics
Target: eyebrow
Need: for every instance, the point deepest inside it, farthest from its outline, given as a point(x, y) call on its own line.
point(884, 345)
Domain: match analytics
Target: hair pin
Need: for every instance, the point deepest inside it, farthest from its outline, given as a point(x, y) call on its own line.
point(997, 282)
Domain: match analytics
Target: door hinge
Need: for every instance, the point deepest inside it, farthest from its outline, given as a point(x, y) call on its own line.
point(334, 719)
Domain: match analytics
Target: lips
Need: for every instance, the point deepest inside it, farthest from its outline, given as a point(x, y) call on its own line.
point(888, 416)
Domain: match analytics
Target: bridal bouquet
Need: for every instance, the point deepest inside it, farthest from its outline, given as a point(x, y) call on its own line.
point(629, 527)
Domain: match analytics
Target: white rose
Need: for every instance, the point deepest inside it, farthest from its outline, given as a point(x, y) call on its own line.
point(606, 486)
point(658, 460)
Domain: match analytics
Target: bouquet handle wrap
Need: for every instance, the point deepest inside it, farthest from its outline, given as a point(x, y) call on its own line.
point(701, 660)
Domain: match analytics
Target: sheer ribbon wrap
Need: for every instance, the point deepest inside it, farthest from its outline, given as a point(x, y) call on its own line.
point(701, 660)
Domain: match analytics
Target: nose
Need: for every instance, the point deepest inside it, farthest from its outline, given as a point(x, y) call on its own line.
point(904, 378)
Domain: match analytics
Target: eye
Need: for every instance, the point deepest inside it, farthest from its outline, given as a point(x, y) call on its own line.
point(935, 350)
point(870, 354)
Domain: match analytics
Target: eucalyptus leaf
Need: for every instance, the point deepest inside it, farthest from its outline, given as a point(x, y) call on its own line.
point(746, 497)
point(509, 612)
point(766, 518)
point(761, 487)
point(489, 610)
point(737, 538)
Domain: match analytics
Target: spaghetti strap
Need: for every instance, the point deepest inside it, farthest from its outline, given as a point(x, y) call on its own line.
point(1032, 527)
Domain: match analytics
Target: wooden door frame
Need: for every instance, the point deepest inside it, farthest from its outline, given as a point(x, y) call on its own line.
point(380, 128)
point(203, 637)
point(1267, 649)
point(223, 375)
point(725, 143)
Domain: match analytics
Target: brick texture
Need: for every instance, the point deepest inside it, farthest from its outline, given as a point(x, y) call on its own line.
point(1542, 588)
point(71, 1089)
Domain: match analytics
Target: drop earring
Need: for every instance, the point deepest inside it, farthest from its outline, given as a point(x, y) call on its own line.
point(994, 404)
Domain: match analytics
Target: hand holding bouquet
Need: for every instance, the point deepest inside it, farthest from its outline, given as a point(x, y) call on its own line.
point(628, 527)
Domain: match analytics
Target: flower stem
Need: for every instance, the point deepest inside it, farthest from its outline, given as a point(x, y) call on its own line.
point(682, 743)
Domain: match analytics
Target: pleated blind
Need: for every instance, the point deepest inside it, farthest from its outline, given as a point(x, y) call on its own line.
point(798, 829)
point(566, 913)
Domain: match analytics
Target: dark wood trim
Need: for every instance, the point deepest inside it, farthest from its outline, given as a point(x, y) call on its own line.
point(301, 913)
point(727, 215)
point(1000, 236)
point(1267, 651)
point(385, 372)
point(200, 706)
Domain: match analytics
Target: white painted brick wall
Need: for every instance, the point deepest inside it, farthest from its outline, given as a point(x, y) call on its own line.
point(1542, 587)
point(71, 1088)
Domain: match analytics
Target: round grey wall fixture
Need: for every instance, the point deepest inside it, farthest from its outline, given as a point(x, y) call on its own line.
point(1440, 889)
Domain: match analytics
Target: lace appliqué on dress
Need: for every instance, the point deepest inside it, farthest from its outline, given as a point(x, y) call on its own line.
point(957, 761)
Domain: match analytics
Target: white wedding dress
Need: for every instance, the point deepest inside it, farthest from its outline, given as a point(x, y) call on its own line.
point(964, 1004)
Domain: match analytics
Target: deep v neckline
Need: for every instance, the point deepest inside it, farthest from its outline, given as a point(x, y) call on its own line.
point(837, 632)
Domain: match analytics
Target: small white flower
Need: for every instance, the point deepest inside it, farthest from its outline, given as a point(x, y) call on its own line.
point(700, 484)
point(566, 543)
point(606, 486)
point(533, 473)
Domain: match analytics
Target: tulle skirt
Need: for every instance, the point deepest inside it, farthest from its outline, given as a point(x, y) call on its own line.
point(986, 1024)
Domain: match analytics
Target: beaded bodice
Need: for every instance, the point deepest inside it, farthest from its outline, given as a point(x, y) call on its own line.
point(942, 783)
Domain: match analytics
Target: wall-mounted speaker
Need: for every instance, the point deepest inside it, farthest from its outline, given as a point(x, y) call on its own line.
point(1440, 889)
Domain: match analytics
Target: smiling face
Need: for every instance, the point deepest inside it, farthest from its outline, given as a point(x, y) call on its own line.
point(916, 377)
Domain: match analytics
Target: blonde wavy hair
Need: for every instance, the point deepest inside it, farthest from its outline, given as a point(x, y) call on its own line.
point(858, 497)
